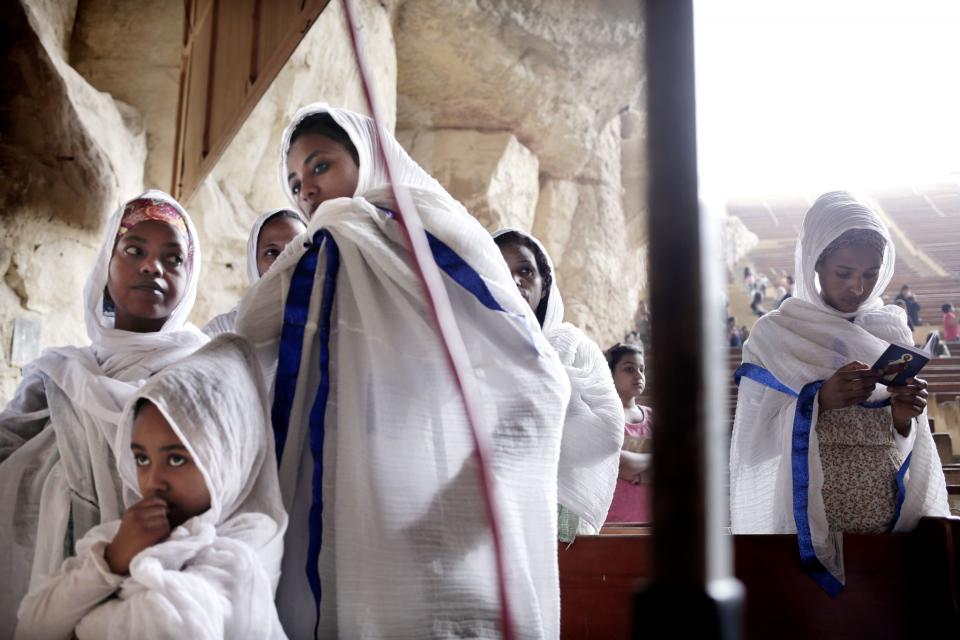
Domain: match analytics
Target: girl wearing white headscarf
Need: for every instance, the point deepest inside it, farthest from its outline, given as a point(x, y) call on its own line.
point(376, 456)
point(816, 449)
point(214, 576)
point(225, 322)
point(58, 473)
point(593, 426)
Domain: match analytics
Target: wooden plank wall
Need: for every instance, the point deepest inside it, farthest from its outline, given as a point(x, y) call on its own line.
point(232, 51)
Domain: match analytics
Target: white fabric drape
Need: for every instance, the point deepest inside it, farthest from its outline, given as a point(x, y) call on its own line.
point(806, 340)
point(593, 427)
point(214, 576)
point(57, 463)
point(225, 322)
point(406, 550)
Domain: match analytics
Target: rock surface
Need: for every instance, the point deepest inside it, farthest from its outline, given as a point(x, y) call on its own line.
point(490, 172)
point(553, 72)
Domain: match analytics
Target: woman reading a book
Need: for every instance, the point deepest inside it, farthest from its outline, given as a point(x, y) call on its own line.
point(818, 446)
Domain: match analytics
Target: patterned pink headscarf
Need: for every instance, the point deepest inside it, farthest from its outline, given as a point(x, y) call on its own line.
point(144, 209)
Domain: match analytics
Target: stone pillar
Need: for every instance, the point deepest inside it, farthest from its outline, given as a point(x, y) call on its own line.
point(491, 173)
point(593, 235)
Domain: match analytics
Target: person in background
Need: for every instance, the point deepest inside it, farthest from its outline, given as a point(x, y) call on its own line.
point(951, 328)
point(631, 499)
point(593, 426)
point(763, 282)
point(756, 303)
point(749, 280)
point(270, 234)
point(733, 334)
point(913, 307)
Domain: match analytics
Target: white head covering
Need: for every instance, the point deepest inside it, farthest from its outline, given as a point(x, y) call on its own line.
point(253, 273)
point(593, 426)
point(214, 576)
point(366, 137)
point(226, 322)
point(805, 341)
point(832, 215)
point(215, 402)
point(74, 397)
point(399, 484)
point(553, 313)
point(108, 342)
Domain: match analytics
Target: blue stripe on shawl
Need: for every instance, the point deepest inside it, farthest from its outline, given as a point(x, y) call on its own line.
point(291, 354)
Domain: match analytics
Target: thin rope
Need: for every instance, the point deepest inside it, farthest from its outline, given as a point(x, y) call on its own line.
point(439, 303)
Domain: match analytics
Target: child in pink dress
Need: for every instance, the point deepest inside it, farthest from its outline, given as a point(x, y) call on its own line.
point(951, 327)
point(631, 499)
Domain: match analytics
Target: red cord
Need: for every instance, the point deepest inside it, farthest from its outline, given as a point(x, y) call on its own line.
point(439, 303)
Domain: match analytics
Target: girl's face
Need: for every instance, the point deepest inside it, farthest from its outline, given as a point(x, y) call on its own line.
point(320, 169)
point(848, 276)
point(165, 469)
point(523, 267)
point(274, 236)
point(147, 276)
point(629, 376)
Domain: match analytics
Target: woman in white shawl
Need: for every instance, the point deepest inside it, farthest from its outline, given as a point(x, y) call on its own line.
point(816, 449)
point(271, 232)
point(57, 468)
point(376, 456)
point(593, 426)
point(197, 554)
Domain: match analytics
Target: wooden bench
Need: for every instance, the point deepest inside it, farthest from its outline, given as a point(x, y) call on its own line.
point(898, 585)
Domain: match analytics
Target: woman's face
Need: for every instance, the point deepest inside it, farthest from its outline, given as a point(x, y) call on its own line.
point(320, 169)
point(523, 267)
point(274, 236)
point(147, 276)
point(629, 376)
point(165, 468)
point(848, 276)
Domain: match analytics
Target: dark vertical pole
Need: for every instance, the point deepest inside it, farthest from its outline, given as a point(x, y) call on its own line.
point(691, 593)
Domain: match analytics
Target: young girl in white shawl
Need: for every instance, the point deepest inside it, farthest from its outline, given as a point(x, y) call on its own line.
point(593, 426)
point(270, 234)
point(197, 553)
point(817, 447)
point(57, 468)
point(377, 463)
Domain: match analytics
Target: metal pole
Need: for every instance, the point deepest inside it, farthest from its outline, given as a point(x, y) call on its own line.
point(691, 593)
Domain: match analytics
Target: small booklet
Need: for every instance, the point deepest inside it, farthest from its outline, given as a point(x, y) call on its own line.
point(898, 364)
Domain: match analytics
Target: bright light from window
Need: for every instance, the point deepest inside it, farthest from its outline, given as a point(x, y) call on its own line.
point(817, 94)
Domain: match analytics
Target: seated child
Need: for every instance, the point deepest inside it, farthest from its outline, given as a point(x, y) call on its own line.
point(270, 234)
point(198, 555)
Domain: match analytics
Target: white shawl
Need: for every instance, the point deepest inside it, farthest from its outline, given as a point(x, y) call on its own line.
point(66, 474)
point(593, 426)
point(214, 576)
point(804, 341)
point(225, 322)
point(406, 550)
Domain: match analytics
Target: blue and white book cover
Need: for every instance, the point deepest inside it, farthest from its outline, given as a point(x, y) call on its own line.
point(899, 364)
